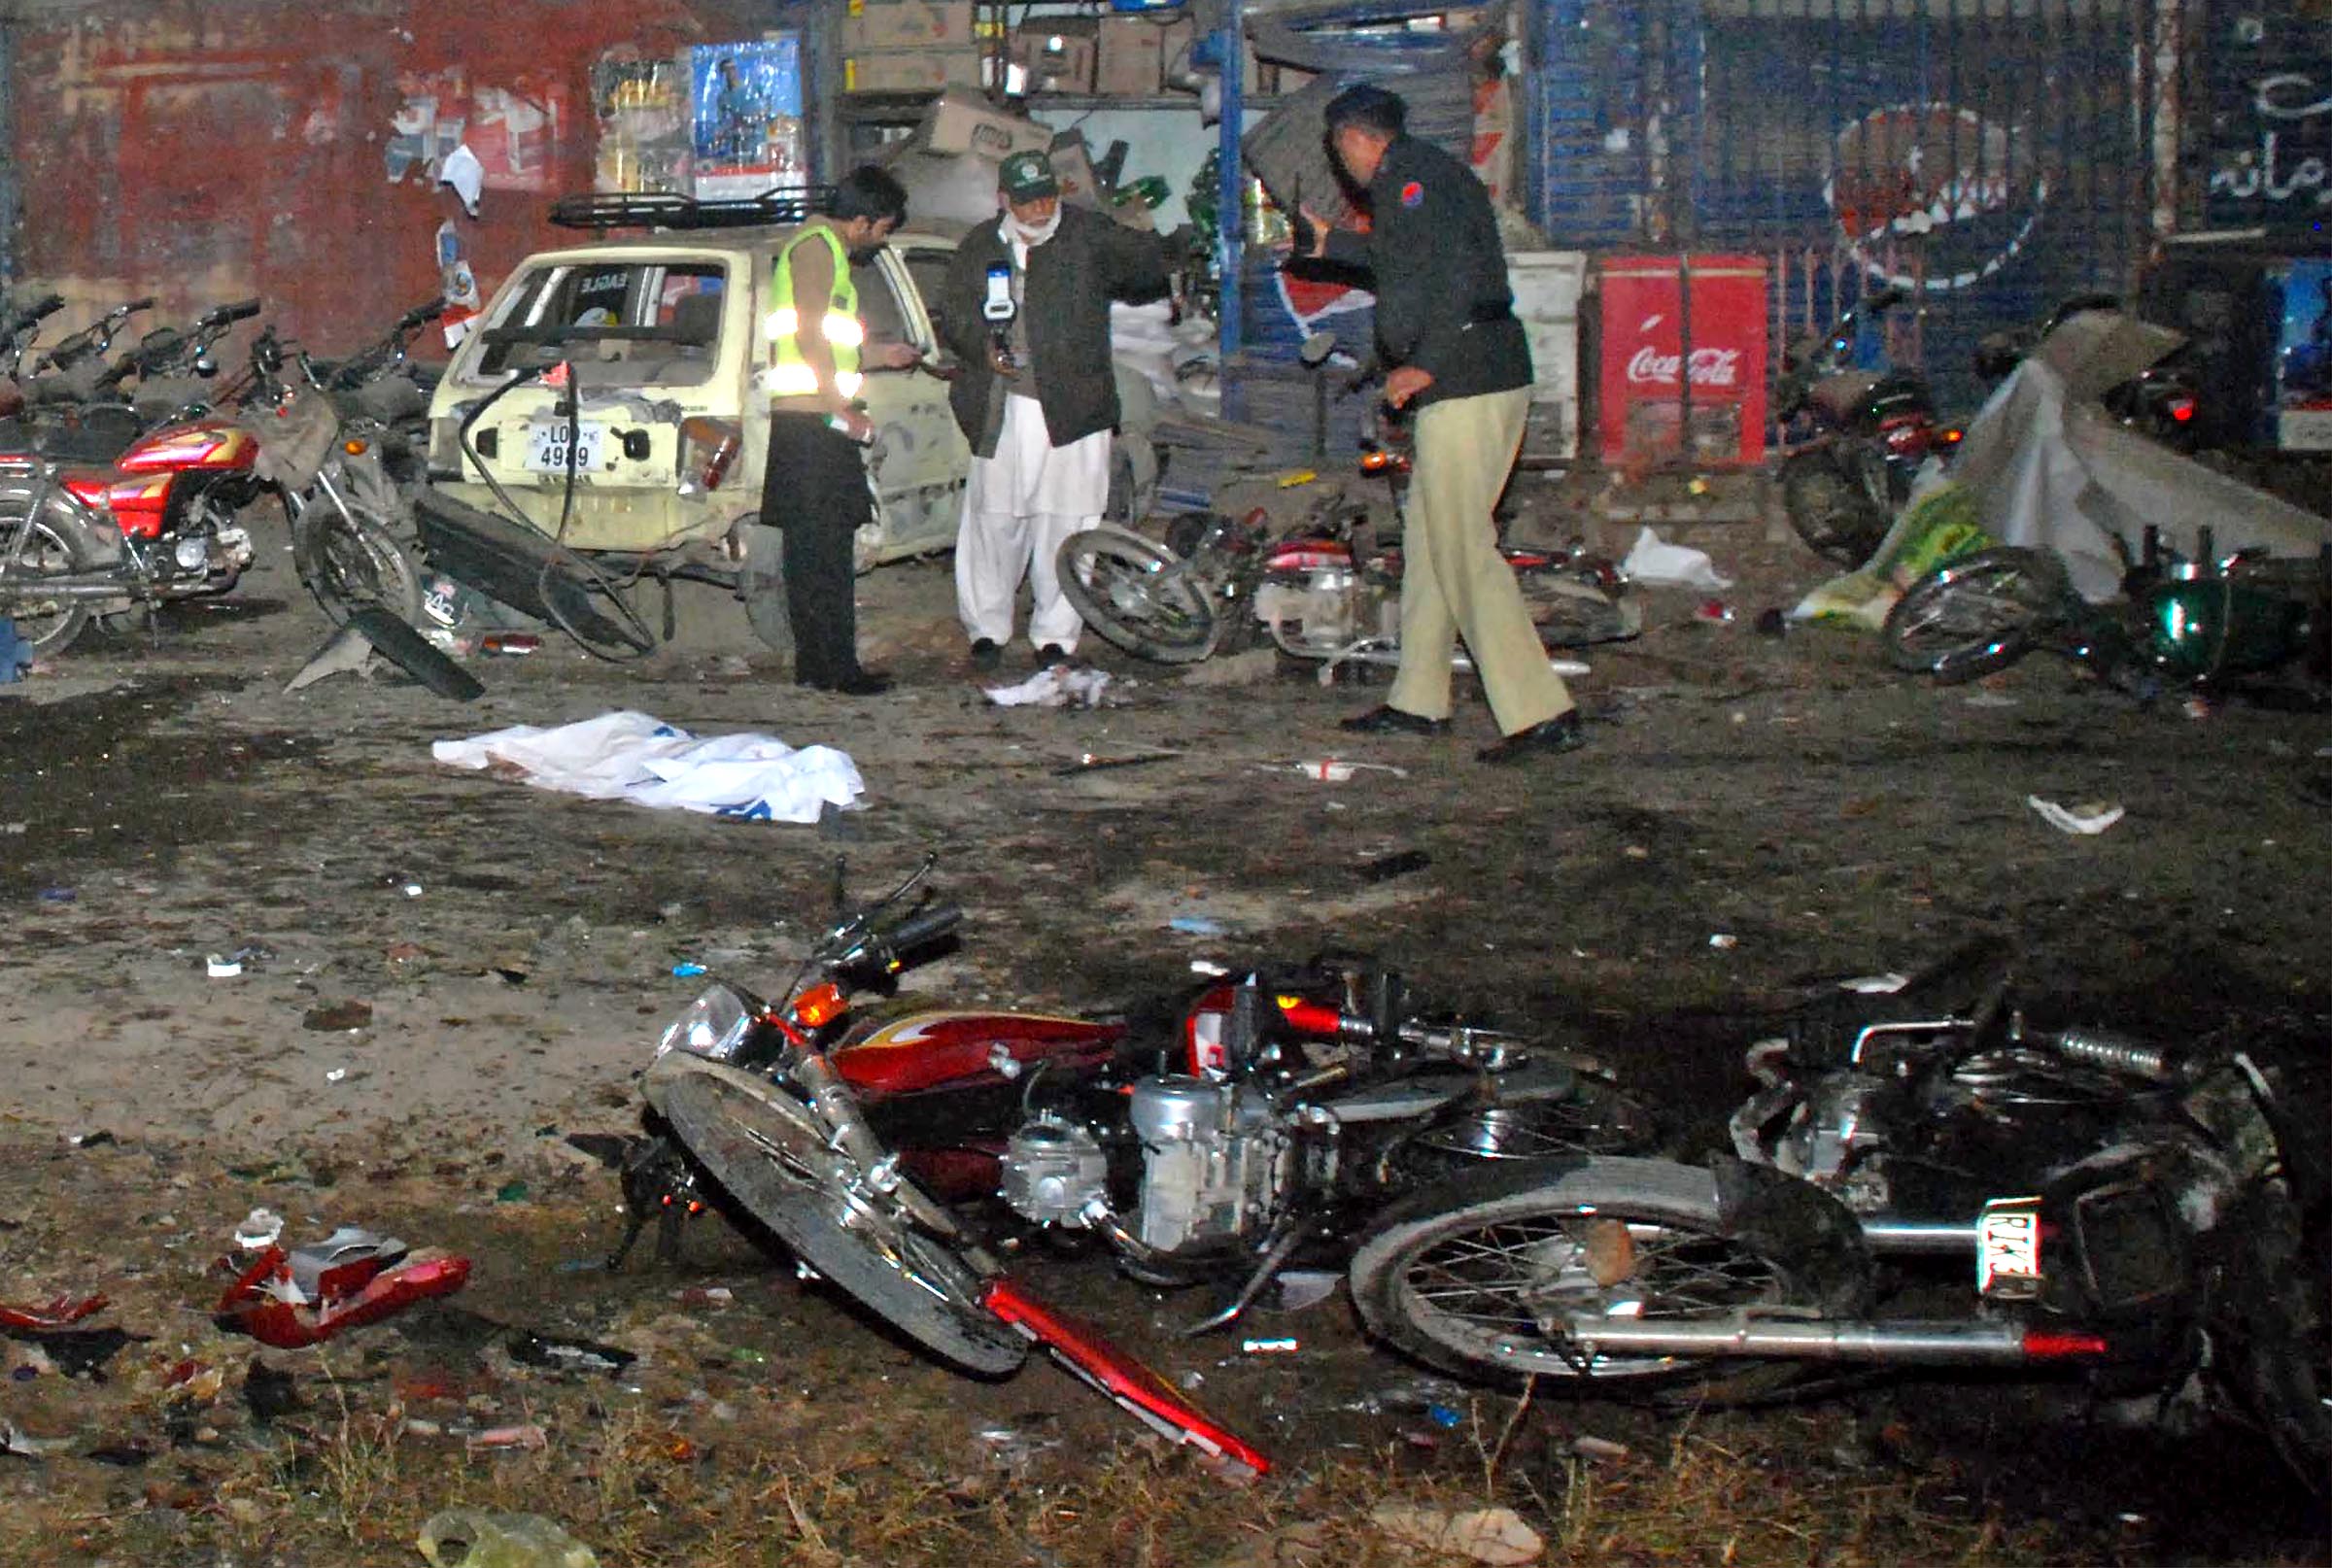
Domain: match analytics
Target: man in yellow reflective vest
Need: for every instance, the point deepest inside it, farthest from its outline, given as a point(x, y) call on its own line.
point(815, 481)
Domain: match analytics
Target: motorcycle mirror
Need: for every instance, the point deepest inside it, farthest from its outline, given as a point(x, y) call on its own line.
point(204, 365)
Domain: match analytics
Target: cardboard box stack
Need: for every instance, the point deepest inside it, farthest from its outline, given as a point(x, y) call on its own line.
point(910, 46)
point(1058, 53)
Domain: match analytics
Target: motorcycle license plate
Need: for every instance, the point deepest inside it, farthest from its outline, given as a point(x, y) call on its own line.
point(546, 447)
point(2007, 1249)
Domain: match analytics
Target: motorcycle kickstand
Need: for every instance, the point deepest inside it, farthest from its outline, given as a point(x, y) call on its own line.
point(1275, 1258)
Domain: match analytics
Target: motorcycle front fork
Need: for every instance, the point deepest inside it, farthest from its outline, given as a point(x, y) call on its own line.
point(659, 1185)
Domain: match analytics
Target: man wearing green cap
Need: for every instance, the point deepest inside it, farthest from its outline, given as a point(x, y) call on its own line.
point(1026, 308)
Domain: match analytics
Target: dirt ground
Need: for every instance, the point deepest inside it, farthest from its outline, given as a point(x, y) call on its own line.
point(451, 973)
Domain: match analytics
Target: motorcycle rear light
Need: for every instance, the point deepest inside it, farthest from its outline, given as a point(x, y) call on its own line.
point(1952, 435)
point(2042, 1345)
point(2181, 409)
point(1310, 1017)
point(707, 449)
point(820, 1005)
point(356, 448)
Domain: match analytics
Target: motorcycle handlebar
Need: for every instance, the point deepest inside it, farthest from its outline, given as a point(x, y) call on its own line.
point(134, 306)
point(420, 315)
point(923, 928)
point(2119, 1053)
point(242, 309)
point(39, 311)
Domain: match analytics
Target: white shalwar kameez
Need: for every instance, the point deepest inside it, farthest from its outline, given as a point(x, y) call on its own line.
point(1018, 506)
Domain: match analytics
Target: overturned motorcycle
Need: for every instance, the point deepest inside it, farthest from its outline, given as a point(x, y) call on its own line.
point(2154, 1219)
point(1270, 1130)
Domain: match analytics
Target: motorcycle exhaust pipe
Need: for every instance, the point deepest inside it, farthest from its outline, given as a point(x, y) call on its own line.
point(1943, 1342)
point(74, 588)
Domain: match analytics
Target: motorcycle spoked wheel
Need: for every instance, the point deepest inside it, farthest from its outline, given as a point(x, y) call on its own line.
point(1970, 617)
point(769, 1152)
point(58, 543)
point(348, 560)
point(1832, 513)
point(1459, 1275)
point(1128, 588)
point(1594, 1118)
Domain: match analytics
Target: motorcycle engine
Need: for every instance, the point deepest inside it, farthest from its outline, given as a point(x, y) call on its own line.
point(1215, 1160)
point(1054, 1169)
point(1316, 608)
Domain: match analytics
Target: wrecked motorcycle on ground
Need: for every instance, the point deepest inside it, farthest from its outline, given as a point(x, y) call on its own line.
point(885, 1152)
point(1872, 430)
point(2084, 1200)
point(2180, 625)
point(1323, 589)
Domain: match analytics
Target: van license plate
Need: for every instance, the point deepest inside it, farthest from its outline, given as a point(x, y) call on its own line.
point(546, 447)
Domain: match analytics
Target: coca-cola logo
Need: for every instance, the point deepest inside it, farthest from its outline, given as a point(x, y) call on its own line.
point(1711, 367)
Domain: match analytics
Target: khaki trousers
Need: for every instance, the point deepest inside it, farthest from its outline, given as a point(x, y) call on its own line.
point(1454, 582)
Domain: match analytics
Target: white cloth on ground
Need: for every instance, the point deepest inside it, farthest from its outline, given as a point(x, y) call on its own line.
point(627, 755)
point(1018, 506)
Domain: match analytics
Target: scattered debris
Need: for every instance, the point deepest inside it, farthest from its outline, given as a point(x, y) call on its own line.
point(474, 1538)
point(339, 1017)
point(532, 1349)
point(1284, 1346)
point(689, 970)
point(92, 1139)
point(1670, 565)
point(1723, 942)
point(1088, 762)
point(1336, 771)
point(291, 1300)
point(57, 894)
point(269, 1392)
point(1596, 1447)
point(526, 1436)
point(346, 652)
point(13, 1439)
point(1056, 686)
point(1886, 984)
point(1489, 1535)
point(2084, 817)
point(61, 1312)
point(1198, 926)
point(259, 1228)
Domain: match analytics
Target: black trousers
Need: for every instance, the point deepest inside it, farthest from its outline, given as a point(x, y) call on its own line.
point(814, 487)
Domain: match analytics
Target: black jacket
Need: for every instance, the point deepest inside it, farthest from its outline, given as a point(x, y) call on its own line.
point(1443, 300)
point(1072, 278)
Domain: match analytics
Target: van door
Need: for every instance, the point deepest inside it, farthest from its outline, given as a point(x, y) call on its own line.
point(920, 460)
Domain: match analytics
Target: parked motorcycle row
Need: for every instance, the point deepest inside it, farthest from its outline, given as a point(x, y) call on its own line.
point(1921, 1178)
point(122, 479)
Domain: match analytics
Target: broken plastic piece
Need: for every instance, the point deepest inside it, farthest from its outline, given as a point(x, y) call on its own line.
point(259, 1228)
point(292, 1300)
point(59, 1314)
point(2087, 817)
point(1155, 1402)
point(534, 1349)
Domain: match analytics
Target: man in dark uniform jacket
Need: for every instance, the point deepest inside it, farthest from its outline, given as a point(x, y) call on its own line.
point(1445, 325)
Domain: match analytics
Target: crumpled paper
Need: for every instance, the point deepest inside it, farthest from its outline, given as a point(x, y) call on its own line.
point(1670, 565)
point(2087, 817)
point(1054, 687)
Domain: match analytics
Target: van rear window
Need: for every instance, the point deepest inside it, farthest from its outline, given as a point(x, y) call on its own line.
point(654, 323)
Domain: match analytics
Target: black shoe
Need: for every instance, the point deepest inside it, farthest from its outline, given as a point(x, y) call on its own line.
point(1051, 654)
point(1547, 737)
point(985, 655)
point(1386, 719)
point(857, 683)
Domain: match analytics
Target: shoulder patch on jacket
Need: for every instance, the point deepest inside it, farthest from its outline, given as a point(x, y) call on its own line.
point(1412, 194)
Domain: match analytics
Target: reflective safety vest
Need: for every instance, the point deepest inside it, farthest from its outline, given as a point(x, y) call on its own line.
point(789, 375)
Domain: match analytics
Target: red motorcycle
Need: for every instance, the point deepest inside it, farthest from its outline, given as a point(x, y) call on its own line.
point(101, 509)
point(888, 1154)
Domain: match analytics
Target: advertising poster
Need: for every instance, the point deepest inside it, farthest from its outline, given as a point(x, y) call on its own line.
point(2304, 358)
point(645, 126)
point(513, 127)
point(748, 117)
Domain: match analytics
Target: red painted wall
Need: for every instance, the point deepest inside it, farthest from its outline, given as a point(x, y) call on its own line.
point(206, 152)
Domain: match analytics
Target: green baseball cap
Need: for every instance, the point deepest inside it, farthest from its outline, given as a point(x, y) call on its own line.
point(1027, 176)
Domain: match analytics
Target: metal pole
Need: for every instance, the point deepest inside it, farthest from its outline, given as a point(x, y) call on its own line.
point(1230, 239)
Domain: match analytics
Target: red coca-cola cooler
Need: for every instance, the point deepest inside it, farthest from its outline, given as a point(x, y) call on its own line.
point(1648, 338)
